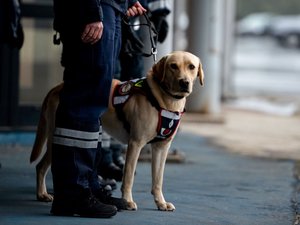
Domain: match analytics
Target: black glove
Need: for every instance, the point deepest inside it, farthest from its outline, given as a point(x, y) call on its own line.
point(161, 26)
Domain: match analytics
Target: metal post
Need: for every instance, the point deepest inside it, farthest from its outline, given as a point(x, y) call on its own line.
point(205, 38)
point(228, 44)
point(181, 23)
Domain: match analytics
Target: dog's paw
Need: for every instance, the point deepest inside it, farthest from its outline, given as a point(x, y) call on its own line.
point(131, 206)
point(45, 197)
point(165, 206)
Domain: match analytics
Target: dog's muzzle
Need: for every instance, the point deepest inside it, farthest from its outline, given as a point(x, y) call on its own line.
point(184, 85)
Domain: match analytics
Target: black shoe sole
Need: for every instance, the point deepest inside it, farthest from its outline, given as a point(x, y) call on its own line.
point(70, 214)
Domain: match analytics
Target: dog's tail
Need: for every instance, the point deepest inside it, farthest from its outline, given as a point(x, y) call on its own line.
point(43, 127)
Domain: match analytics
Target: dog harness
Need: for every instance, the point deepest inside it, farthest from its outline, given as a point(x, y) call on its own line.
point(168, 120)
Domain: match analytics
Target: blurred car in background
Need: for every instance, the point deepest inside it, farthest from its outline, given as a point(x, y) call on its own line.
point(286, 30)
point(255, 24)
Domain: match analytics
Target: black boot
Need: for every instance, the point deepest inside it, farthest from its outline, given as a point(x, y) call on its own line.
point(84, 205)
point(111, 171)
point(105, 197)
point(107, 184)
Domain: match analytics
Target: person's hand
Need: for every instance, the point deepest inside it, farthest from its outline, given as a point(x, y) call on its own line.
point(136, 9)
point(92, 32)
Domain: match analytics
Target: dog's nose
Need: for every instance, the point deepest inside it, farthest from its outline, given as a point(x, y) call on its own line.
point(184, 84)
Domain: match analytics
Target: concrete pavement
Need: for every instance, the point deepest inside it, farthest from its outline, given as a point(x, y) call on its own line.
point(212, 187)
point(249, 132)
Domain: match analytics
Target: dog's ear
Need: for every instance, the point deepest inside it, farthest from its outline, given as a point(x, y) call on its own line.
point(159, 69)
point(201, 74)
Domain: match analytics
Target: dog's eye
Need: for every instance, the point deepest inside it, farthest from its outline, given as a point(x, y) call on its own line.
point(174, 66)
point(191, 67)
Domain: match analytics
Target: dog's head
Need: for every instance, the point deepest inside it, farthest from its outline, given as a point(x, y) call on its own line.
point(176, 73)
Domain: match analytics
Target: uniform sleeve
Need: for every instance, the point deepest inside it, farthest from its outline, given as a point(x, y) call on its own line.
point(131, 2)
point(159, 7)
point(92, 11)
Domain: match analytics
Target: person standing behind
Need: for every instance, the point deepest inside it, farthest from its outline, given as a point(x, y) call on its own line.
point(158, 10)
point(90, 31)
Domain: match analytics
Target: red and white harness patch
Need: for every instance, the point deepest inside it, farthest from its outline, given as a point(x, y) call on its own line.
point(168, 123)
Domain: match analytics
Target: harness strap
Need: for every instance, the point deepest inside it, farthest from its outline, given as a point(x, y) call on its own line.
point(168, 120)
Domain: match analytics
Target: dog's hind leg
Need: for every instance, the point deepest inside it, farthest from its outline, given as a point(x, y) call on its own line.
point(41, 170)
point(159, 156)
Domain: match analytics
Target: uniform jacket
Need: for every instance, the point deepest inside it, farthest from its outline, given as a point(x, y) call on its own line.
point(75, 14)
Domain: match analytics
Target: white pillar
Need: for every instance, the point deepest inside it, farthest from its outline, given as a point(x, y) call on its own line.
point(205, 39)
point(228, 46)
point(181, 24)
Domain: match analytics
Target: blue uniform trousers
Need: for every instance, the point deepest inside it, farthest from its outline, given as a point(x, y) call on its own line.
point(88, 72)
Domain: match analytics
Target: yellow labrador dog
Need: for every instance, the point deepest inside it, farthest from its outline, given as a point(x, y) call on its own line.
point(149, 114)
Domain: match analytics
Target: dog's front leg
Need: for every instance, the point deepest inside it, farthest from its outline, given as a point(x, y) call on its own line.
point(132, 155)
point(159, 156)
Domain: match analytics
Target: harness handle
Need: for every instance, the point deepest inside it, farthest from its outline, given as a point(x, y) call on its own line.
point(152, 36)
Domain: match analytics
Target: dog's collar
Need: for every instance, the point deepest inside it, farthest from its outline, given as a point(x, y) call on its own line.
point(164, 88)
